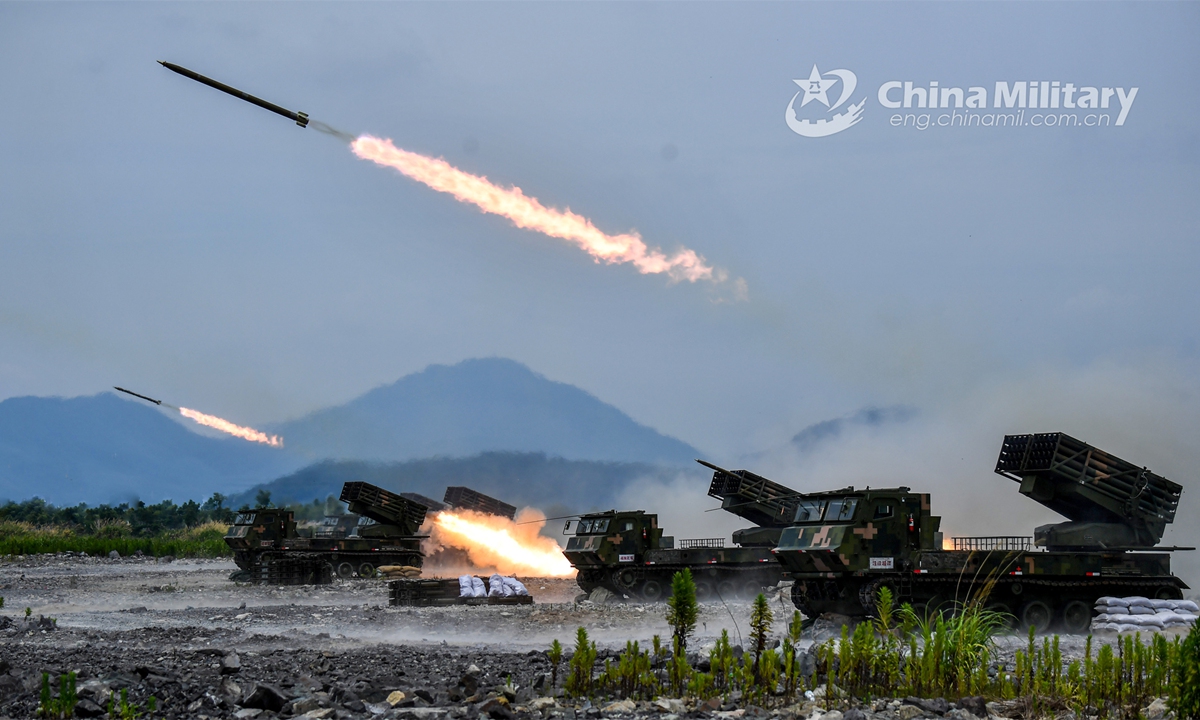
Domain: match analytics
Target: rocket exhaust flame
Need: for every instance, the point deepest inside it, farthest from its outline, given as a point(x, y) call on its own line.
point(225, 426)
point(509, 546)
point(528, 213)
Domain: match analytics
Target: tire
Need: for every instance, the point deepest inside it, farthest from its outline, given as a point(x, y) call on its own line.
point(1168, 593)
point(1009, 617)
point(366, 570)
point(726, 590)
point(751, 589)
point(651, 591)
point(345, 570)
point(1076, 617)
point(704, 591)
point(1038, 615)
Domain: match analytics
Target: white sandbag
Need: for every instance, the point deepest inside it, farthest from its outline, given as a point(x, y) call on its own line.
point(1187, 606)
point(1173, 619)
point(1123, 628)
point(1163, 604)
point(1114, 610)
point(478, 589)
point(1137, 600)
point(1141, 610)
point(495, 586)
point(1109, 600)
point(516, 586)
point(1146, 621)
point(464, 587)
point(1101, 618)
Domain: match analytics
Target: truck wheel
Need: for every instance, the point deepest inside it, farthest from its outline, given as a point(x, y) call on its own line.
point(1037, 615)
point(366, 570)
point(651, 591)
point(1076, 617)
point(1168, 593)
point(751, 589)
point(726, 590)
point(704, 591)
point(1006, 614)
point(345, 571)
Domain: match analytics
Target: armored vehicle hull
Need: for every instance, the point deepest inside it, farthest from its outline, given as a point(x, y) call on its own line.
point(626, 553)
point(846, 545)
point(268, 548)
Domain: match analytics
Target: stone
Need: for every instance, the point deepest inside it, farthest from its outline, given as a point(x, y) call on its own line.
point(1156, 710)
point(1004, 709)
point(832, 715)
point(303, 705)
point(319, 713)
point(620, 707)
point(246, 713)
point(474, 670)
point(854, 714)
point(265, 697)
point(231, 664)
point(429, 713)
point(114, 555)
point(496, 710)
point(936, 706)
point(395, 697)
point(976, 705)
point(542, 703)
point(229, 689)
point(908, 712)
point(601, 596)
point(378, 708)
point(87, 709)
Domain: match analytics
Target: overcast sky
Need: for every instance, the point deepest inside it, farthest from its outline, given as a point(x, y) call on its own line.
point(159, 235)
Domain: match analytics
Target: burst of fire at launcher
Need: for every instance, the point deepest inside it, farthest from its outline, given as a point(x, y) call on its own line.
point(509, 546)
point(212, 421)
point(528, 213)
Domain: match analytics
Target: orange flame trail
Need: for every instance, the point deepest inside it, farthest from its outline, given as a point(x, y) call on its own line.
point(498, 542)
point(526, 212)
point(223, 425)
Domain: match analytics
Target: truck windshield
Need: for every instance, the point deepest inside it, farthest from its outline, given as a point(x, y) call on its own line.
point(810, 511)
point(600, 526)
point(585, 527)
point(244, 519)
point(841, 510)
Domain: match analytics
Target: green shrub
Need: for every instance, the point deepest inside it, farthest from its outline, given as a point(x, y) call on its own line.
point(1186, 681)
point(682, 609)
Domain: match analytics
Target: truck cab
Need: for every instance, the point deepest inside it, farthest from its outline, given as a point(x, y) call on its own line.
point(849, 531)
point(613, 538)
point(259, 529)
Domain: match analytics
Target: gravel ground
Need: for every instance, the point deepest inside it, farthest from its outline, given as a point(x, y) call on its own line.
point(208, 647)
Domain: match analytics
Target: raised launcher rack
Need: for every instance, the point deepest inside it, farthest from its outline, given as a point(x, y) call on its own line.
point(465, 498)
point(396, 515)
point(442, 592)
point(292, 569)
point(1110, 503)
point(761, 501)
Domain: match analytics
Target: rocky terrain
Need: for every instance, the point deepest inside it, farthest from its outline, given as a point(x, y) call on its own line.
point(203, 646)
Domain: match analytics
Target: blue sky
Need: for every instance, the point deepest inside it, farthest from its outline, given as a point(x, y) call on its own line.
point(159, 235)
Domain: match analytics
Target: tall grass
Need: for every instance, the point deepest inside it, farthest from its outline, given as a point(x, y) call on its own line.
point(900, 654)
point(22, 538)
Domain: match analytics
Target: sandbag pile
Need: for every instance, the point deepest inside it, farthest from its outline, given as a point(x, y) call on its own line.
point(1139, 614)
point(470, 586)
point(398, 572)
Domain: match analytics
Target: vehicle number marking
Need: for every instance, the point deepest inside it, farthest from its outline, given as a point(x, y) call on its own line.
point(883, 563)
point(625, 558)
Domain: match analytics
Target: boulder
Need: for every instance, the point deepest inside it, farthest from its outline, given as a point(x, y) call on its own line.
point(231, 664)
point(265, 697)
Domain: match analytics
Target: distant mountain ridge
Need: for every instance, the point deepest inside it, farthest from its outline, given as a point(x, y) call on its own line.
point(481, 405)
point(102, 449)
point(517, 478)
point(106, 448)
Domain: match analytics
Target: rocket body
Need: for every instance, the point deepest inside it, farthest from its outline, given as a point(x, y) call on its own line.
point(300, 118)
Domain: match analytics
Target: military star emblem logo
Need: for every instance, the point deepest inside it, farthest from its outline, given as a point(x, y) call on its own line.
point(815, 88)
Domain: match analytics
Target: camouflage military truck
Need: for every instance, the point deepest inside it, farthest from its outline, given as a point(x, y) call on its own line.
point(268, 548)
point(846, 544)
point(627, 553)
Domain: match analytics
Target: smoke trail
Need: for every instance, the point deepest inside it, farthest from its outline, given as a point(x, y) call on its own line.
point(526, 212)
point(330, 130)
point(246, 433)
